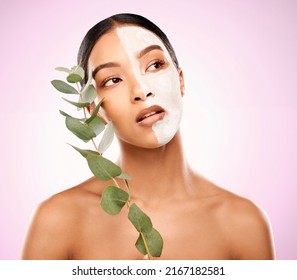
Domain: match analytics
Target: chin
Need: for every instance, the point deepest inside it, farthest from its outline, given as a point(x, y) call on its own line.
point(148, 145)
point(165, 140)
point(156, 144)
point(145, 144)
point(153, 146)
point(149, 141)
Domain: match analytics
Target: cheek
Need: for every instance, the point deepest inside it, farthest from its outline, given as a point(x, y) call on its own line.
point(166, 88)
point(111, 109)
point(114, 101)
point(117, 109)
point(115, 113)
point(163, 84)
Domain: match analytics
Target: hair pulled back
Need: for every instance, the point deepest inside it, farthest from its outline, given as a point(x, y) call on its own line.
point(104, 26)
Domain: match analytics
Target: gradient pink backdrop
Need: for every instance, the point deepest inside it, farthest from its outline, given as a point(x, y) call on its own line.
point(239, 60)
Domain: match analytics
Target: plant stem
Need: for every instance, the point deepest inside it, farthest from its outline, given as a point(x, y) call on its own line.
point(128, 188)
point(116, 183)
point(95, 146)
point(146, 246)
point(80, 99)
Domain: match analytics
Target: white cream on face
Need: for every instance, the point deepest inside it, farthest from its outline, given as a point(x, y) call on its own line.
point(163, 84)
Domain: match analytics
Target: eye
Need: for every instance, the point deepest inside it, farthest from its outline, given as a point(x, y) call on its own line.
point(110, 82)
point(155, 65)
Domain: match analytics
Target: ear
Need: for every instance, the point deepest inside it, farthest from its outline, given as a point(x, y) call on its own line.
point(181, 81)
point(101, 112)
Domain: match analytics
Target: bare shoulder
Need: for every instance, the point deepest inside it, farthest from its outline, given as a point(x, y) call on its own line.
point(245, 225)
point(250, 229)
point(53, 227)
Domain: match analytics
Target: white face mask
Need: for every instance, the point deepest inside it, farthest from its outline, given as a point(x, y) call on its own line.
point(164, 85)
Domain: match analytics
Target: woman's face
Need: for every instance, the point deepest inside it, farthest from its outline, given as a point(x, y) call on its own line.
point(140, 85)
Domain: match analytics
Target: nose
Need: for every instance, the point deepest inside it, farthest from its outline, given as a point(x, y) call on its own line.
point(139, 92)
point(142, 97)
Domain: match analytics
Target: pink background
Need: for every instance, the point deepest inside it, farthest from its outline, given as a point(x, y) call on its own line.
point(239, 125)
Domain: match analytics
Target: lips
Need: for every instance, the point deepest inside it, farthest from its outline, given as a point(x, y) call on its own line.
point(150, 115)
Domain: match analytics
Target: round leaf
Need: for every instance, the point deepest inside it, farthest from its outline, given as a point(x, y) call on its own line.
point(103, 168)
point(78, 70)
point(89, 94)
point(97, 125)
point(73, 78)
point(84, 153)
point(150, 243)
point(63, 69)
point(81, 130)
point(107, 138)
point(64, 87)
point(139, 219)
point(113, 200)
point(77, 104)
point(67, 115)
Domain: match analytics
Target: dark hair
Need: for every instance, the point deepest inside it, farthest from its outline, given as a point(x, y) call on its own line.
point(108, 24)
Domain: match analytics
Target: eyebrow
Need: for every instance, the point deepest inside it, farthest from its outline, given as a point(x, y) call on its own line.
point(115, 64)
point(105, 65)
point(148, 49)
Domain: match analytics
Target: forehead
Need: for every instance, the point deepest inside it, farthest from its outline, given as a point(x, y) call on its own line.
point(130, 39)
point(135, 37)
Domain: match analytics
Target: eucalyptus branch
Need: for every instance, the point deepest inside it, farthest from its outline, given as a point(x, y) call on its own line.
point(113, 198)
point(146, 247)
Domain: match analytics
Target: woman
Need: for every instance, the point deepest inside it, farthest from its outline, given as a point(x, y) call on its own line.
point(136, 72)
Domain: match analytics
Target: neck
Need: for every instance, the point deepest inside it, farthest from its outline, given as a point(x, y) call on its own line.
point(156, 172)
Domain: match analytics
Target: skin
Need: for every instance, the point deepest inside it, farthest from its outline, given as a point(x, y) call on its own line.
point(156, 76)
point(197, 219)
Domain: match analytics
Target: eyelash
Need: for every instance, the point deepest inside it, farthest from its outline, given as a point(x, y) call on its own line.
point(158, 62)
point(115, 80)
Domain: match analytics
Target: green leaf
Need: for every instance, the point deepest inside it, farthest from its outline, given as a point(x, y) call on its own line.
point(63, 69)
point(107, 138)
point(103, 168)
point(84, 153)
point(81, 130)
point(73, 78)
point(139, 219)
point(67, 115)
point(89, 94)
point(95, 112)
point(124, 176)
point(77, 104)
point(113, 200)
point(97, 125)
point(64, 87)
point(78, 70)
point(150, 243)
point(89, 81)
